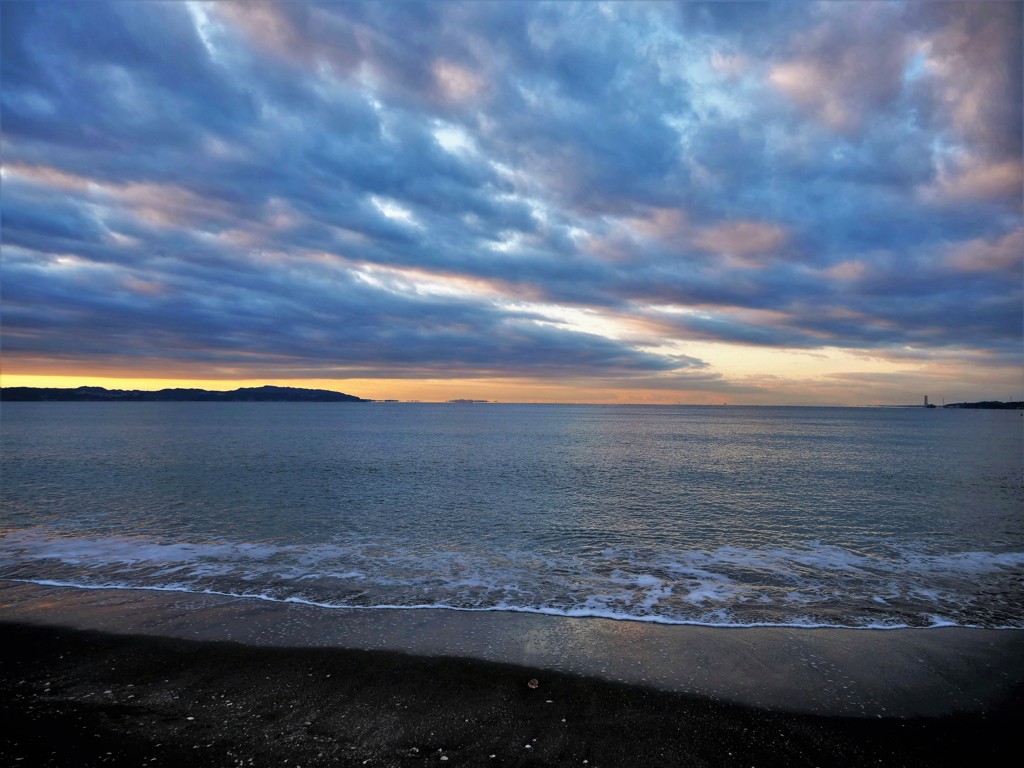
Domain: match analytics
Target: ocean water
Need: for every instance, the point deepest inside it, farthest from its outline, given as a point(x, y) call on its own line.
point(736, 516)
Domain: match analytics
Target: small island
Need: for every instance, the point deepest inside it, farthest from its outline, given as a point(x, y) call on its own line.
point(264, 394)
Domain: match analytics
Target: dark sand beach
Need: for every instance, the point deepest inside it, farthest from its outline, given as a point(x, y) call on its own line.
point(83, 696)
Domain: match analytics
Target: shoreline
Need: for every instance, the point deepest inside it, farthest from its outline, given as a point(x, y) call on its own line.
point(122, 678)
point(836, 672)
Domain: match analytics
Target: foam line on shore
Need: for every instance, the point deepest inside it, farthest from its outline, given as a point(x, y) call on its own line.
point(938, 622)
point(879, 586)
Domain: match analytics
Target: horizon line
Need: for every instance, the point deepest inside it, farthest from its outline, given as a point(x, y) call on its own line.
point(480, 401)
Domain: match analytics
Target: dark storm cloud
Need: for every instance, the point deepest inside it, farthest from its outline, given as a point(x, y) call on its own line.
point(291, 183)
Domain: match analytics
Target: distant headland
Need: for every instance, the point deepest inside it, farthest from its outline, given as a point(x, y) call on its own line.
point(265, 394)
point(988, 404)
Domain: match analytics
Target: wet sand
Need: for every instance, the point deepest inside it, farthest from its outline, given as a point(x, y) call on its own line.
point(124, 678)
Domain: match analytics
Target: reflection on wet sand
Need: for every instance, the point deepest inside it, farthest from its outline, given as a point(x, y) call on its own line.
point(826, 671)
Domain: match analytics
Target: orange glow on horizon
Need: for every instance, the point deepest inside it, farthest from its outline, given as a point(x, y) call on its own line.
point(737, 375)
point(424, 390)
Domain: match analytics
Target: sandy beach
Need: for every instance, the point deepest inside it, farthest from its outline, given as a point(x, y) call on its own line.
point(127, 688)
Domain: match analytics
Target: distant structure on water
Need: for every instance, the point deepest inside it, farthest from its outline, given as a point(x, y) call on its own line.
point(927, 404)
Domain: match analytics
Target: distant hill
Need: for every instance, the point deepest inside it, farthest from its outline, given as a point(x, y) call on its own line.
point(266, 394)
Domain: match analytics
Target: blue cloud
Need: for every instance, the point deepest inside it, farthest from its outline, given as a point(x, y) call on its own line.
point(242, 182)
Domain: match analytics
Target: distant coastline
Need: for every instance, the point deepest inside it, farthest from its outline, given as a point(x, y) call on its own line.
point(987, 404)
point(264, 394)
point(273, 394)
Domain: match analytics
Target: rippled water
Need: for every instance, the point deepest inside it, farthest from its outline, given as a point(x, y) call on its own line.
point(806, 516)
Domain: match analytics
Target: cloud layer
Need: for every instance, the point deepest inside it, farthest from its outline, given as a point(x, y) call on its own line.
point(509, 190)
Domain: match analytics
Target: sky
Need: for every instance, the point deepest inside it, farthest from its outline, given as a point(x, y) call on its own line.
point(788, 203)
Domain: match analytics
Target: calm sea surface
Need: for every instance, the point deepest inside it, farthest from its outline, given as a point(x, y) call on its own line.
point(725, 516)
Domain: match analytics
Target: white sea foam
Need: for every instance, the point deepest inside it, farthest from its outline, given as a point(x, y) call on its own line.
point(817, 585)
point(718, 619)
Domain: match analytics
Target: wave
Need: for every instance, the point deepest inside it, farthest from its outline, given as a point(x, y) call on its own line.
point(892, 586)
point(937, 621)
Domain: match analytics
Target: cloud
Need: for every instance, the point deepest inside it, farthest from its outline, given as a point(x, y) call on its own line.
point(974, 58)
point(308, 186)
point(971, 179)
point(1005, 255)
point(847, 65)
point(742, 238)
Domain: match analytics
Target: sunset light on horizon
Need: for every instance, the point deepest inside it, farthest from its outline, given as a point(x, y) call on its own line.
point(699, 203)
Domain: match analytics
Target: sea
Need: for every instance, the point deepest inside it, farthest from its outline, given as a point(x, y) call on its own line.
point(880, 518)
